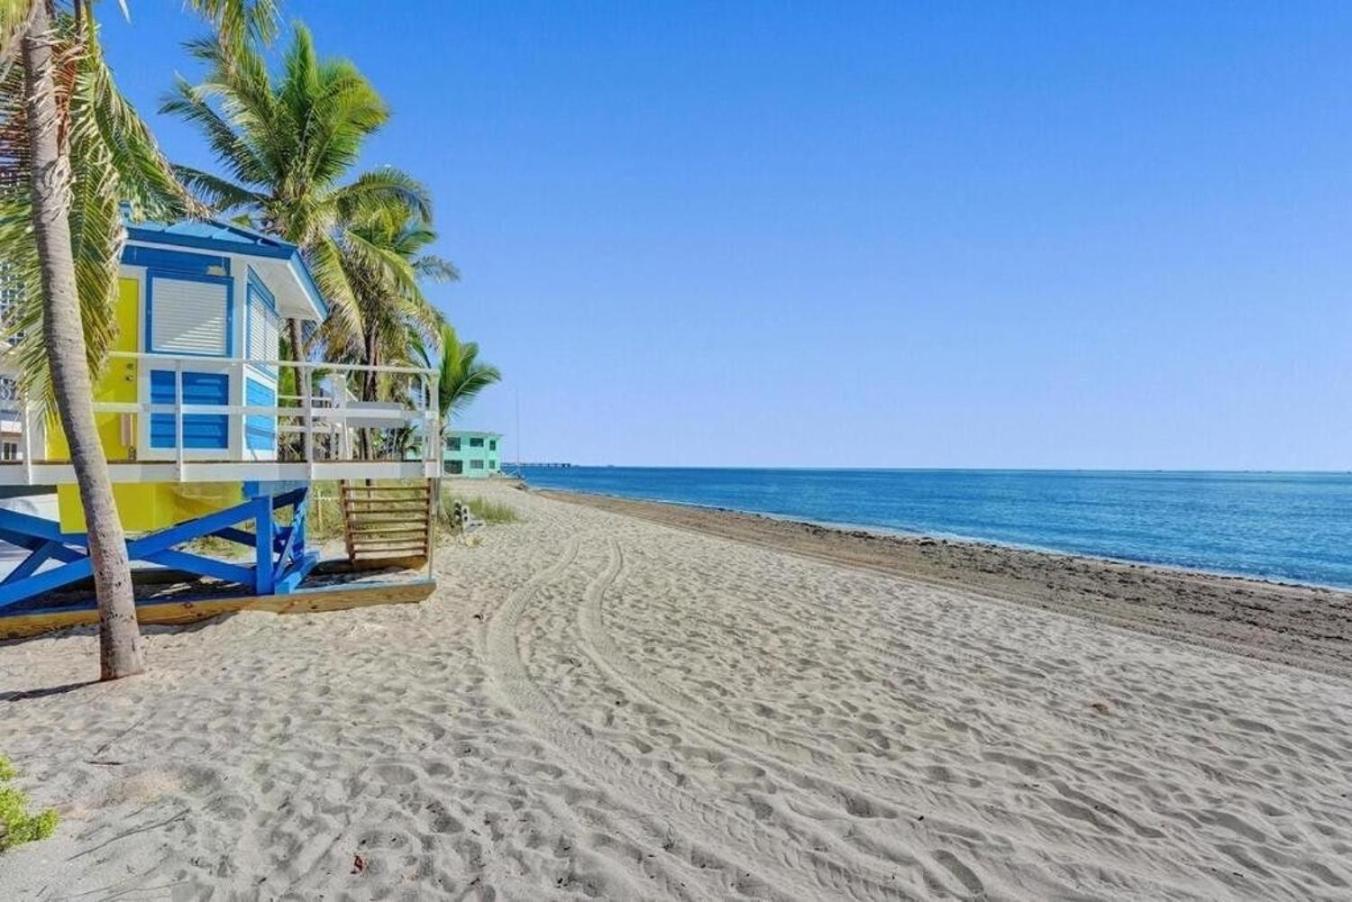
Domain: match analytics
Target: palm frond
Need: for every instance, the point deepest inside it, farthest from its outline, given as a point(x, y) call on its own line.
point(96, 240)
point(384, 186)
point(143, 176)
point(241, 21)
point(242, 160)
point(461, 377)
point(287, 143)
point(379, 263)
point(113, 159)
point(343, 326)
point(14, 20)
point(221, 195)
point(437, 269)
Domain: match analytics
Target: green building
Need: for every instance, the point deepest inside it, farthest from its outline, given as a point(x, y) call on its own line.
point(472, 454)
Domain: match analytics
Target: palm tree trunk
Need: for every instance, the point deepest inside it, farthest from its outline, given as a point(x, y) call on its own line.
point(302, 375)
point(368, 393)
point(120, 652)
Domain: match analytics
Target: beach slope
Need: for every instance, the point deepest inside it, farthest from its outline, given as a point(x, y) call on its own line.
point(595, 705)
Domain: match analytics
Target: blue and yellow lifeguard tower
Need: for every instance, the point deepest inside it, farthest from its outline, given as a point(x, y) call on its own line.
point(201, 442)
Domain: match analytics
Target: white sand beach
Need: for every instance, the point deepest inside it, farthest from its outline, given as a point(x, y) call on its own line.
point(597, 706)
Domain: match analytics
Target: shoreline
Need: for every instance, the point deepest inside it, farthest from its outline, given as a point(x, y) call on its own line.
point(893, 532)
point(1305, 626)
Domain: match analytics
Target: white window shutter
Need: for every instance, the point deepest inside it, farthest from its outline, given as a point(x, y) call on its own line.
point(262, 332)
point(188, 317)
point(270, 346)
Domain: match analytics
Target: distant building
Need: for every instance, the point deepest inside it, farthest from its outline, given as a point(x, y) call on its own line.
point(472, 454)
point(11, 420)
point(11, 412)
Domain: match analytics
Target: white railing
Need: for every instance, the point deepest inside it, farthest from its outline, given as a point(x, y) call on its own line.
point(333, 426)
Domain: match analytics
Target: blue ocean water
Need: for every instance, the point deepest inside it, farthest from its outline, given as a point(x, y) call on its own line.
point(1284, 526)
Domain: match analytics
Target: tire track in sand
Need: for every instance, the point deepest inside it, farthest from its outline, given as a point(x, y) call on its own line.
point(735, 737)
point(743, 845)
point(654, 832)
point(794, 762)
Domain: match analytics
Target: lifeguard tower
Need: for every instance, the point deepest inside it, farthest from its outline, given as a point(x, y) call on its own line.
point(203, 439)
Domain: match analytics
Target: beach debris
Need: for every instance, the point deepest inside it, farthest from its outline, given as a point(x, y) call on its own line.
point(1101, 707)
point(358, 864)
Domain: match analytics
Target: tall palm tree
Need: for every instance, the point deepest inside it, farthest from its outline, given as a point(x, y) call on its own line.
point(461, 376)
point(391, 310)
point(70, 139)
point(394, 315)
point(286, 146)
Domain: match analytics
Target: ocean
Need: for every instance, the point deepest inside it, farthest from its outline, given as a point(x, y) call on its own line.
point(1285, 526)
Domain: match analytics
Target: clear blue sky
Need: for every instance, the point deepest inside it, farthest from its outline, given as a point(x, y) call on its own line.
point(903, 234)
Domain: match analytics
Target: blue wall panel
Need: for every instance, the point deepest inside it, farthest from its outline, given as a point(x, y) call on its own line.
point(260, 432)
point(173, 263)
point(200, 430)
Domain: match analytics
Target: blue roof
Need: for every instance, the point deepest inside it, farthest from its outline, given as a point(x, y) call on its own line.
point(212, 234)
point(226, 237)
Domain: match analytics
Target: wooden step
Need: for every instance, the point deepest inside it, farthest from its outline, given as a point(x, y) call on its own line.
point(387, 488)
point(400, 550)
point(406, 524)
point(358, 546)
point(387, 522)
point(367, 528)
point(420, 542)
point(364, 503)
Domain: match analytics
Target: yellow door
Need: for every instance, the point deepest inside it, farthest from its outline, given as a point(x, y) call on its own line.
point(117, 431)
point(118, 384)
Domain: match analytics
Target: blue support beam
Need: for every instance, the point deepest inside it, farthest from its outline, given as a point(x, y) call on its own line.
point(45, 541)
point(264, 576)
point(36, 558)
point(300, 524)
point(237, 535)
point(29, 543)
point(296, 531)
point(297, 572)
point(203, 566)
point(29, 525)
point(289, 498)
point(45, 581)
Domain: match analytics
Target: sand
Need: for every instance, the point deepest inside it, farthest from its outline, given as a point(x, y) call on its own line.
point(596, 705)
point(1304, 626)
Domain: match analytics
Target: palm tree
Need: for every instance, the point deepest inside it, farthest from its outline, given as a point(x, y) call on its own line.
point(395, 315)
point(460, 374)
point(286, 147)
point(67, 134)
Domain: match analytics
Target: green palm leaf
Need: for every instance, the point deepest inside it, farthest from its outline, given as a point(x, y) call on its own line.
point(286, 144)
point(461, 377)
point(116, 168)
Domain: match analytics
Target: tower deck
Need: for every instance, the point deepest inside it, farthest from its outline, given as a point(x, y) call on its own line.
point(327, 435)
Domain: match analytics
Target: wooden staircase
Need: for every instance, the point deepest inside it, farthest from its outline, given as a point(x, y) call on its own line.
point(387, 525)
